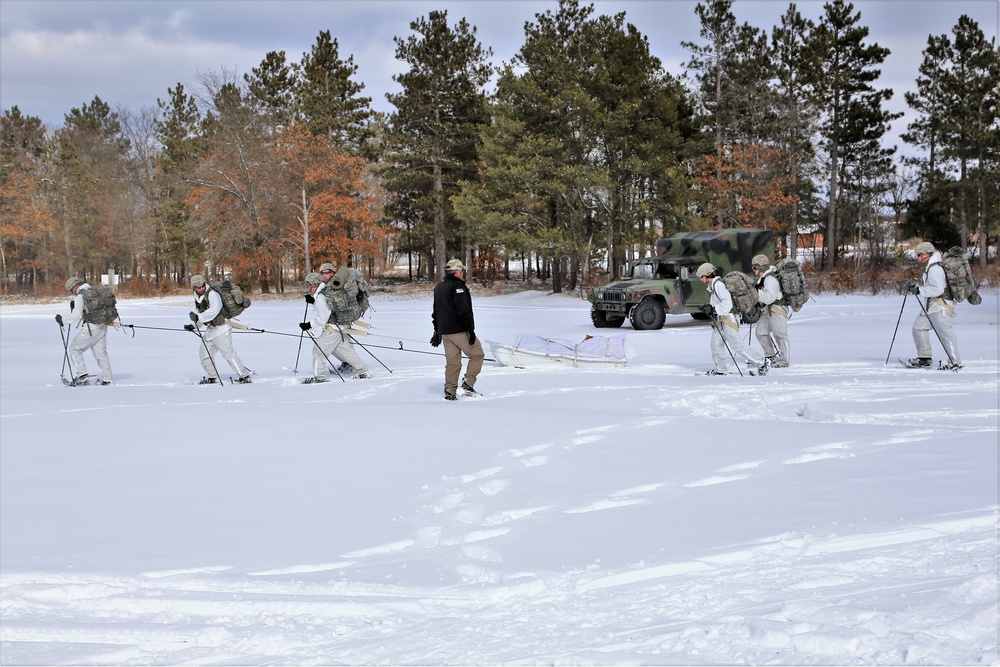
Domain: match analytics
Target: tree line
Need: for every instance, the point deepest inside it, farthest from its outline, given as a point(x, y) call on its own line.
point(583, 154)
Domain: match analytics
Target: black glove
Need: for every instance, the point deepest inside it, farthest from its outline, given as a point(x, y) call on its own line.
point(912, 289)
point(305, 326)
point(472, 338)
point(310, 298)
point(72, 305)
point(59, 319)
point(194, 316)
point(435, 339)
point(707, 309)
point(188, 327)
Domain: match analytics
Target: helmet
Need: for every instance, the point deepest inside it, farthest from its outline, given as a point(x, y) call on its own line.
point(197, 280)
point(705, 270)
point(73, 282)
point(327, 266)
point(313, 278)
point(760, 262)
point(925, 248)
point(454, 265)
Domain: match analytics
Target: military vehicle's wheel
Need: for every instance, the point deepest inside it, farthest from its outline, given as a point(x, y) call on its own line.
point(602, 321)
point(648, 314)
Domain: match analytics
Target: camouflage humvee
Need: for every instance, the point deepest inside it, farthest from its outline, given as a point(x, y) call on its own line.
point(654, 287)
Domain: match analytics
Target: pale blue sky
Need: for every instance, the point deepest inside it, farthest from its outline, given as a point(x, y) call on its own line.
point(59, 54)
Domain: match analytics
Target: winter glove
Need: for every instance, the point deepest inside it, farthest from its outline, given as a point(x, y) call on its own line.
point(912, 289)
point(72, 305)
point(472, 338)
point(707, 309)
point(59, 319)
point(305, 326)
point(189, 327)
point(435, 339)
point(310, 298)
point(194, 316)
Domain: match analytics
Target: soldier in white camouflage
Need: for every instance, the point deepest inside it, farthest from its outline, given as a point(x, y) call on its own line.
point(91, 336)
point(772, 327)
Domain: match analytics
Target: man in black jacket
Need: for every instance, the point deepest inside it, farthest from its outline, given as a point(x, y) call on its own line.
point(455, 326)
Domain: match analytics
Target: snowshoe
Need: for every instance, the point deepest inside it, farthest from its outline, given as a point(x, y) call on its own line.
point(715, 372)
point(313, 380)
point(207, 381)
point(951, 366)
point(917, 362)
point(361, 376)
point(244, 380)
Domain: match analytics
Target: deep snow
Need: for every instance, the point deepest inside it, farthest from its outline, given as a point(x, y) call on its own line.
point(841, 511)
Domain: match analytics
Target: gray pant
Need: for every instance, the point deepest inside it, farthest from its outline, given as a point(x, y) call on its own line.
point(93, 337)
point(941, 319)
point(220, 339)
point(454, 345)
point(730, 337)
point(774, 323)
point(338, 345)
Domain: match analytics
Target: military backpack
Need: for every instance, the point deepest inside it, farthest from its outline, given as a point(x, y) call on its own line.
point(99, 305)
point(960, 283)
point(744, 294)
point(347, 296)
point(793, 284)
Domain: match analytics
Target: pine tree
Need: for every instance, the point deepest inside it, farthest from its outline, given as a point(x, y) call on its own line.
point(436, 125)
point(854, 120)
point(328, 99)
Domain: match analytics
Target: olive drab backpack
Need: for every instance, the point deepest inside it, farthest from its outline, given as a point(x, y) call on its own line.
point(99, 305)
point(744, 294)
point(960, 283)
point(347, 296)
point(793, 284)
point(234, 302)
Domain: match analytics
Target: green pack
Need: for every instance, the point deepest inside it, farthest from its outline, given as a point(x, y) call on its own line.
point(234, 302)
point(99, 305)
point(960, 283)
point(793, 284)
point(744, 294)
point(347, 296)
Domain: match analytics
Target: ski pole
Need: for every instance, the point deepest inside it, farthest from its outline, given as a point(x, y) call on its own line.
point(898, 320)
point(717, 323)
point(66, 362)
point(196, 332)
point(355, 340)
point(301, 334)
point(325, 355)
point(934, 329)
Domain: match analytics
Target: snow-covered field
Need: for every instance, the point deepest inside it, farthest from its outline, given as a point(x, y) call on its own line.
point(841, 511)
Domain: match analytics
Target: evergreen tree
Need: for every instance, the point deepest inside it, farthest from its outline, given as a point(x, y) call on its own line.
point(272, 86)
point(436, 125)
point(328, 99)
point(854, 120)
point(182, 146)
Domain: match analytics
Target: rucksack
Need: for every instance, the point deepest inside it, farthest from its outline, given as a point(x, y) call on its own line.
point(793, 284)
point(234, 302)
point(744, 295)
point(99, 305)
point(347, 295)
point(960, 283)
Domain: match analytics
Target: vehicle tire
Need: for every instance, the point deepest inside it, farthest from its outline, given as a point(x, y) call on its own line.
point(700, 316)
point(648, 315)
point(602, 321)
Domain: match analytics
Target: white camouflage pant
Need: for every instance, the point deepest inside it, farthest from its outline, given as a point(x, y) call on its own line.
point(338, 345)
point(220, 339)
point(772, 334)
point(941, 319)
point(731, 337)
point(93, 337)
